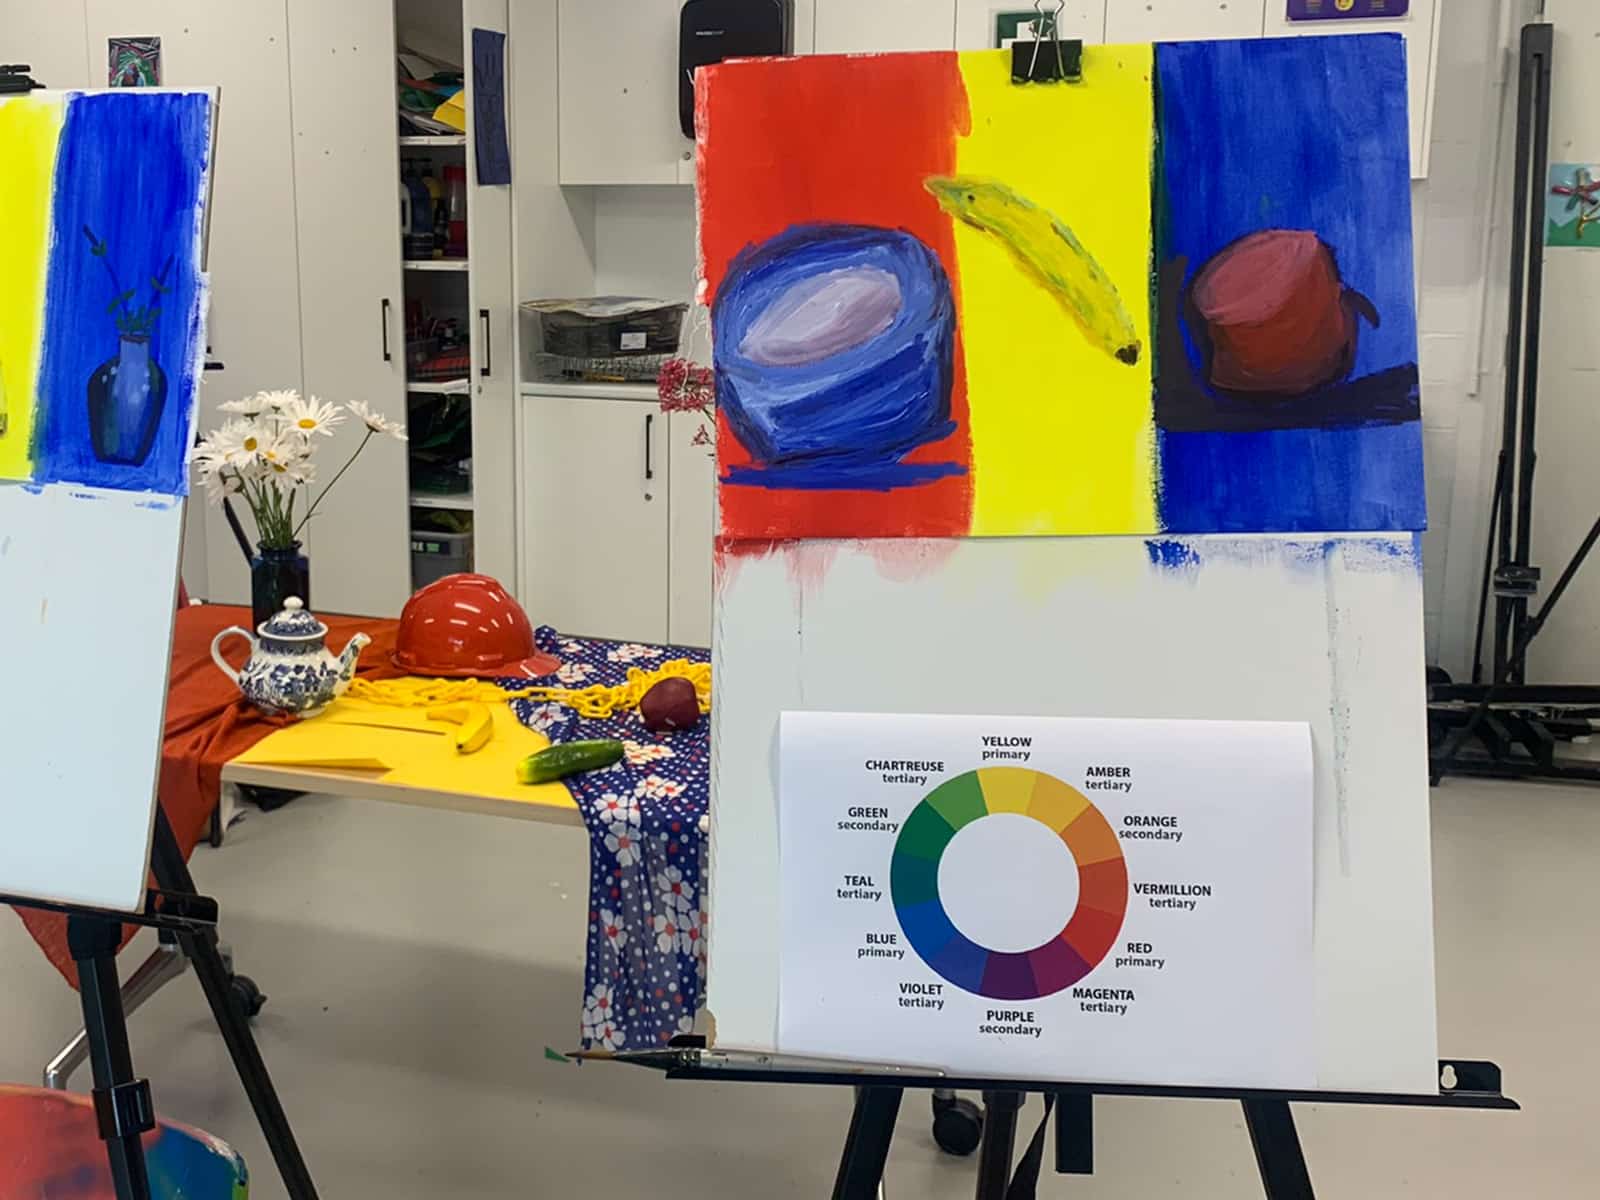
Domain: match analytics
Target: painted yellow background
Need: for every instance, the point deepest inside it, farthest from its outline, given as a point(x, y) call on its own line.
point(1063, 434)
point(29, 132)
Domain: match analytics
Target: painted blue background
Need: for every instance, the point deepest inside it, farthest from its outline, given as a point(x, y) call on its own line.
point(1297, 133)
point(131, 166)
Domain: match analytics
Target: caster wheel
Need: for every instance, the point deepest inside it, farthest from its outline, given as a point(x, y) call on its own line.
point(247, 995)
point(957, 1126)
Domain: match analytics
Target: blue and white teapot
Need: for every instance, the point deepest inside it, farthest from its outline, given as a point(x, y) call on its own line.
point(290, 669)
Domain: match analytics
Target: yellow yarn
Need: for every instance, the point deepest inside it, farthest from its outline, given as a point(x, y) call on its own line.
point(597, 701)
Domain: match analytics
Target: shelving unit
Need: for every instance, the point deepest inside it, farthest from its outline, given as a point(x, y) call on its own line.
point(461, 426)
point(461, 503)
point(437, 264)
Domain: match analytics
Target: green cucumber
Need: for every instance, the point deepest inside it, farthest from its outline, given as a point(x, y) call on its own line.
point(569, 758)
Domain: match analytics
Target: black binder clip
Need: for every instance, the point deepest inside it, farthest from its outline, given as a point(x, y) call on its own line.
point(1047, 58)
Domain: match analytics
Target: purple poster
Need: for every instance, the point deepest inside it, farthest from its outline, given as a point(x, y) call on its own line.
point(1338, 10)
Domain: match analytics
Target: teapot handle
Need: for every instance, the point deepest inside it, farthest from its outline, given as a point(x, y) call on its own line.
point(216, 652)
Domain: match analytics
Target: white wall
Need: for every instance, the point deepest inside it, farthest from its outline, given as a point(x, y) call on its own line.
point(645, 242)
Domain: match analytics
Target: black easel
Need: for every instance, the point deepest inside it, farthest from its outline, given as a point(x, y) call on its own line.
point(1279, 1157)
point(123, 1104)
point(1507, 728)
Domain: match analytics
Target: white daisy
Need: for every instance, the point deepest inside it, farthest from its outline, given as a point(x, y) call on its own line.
point(308, 417)
point(376, 421)
point(279, 400)
point(624, 843)
point(248, 406)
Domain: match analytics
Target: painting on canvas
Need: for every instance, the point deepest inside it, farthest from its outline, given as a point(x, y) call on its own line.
point(945, 305)
point(102, 297)
point(1572, 206)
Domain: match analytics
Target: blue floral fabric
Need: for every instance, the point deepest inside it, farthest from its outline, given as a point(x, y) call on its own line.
point(646, 816)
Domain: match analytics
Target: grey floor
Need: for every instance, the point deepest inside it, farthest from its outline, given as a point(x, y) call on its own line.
point(419, 963)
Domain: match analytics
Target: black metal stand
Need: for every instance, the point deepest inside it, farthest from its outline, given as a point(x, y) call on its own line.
point(200, 947)
point(1505, 728)
point(1279, 1158)
point(123, 1108)
point(866, 1146)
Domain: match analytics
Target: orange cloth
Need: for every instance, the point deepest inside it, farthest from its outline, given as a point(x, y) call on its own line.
point(208, 724)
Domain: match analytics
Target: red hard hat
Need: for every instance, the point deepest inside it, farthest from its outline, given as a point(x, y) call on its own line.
point(466, 626)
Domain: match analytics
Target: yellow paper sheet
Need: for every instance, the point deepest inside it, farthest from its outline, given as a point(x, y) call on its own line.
point(411, 760)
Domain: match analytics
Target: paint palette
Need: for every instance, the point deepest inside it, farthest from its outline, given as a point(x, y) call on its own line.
point(1055, 964)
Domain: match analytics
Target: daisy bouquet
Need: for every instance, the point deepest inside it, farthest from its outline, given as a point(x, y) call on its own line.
point(266, 453)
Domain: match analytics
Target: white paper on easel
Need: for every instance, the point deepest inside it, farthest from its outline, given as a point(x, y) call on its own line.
point(1104, 900)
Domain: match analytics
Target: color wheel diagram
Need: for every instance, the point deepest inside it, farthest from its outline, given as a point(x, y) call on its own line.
point(979, 818)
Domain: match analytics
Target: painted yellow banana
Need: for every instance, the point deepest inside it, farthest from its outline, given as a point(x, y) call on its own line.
point(476, 722)
point(1044, 243)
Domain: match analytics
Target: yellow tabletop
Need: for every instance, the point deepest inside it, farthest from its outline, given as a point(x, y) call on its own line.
point(372, 752)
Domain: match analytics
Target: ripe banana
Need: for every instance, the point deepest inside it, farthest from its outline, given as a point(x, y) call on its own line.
point(1044, 243)
point(476, 722)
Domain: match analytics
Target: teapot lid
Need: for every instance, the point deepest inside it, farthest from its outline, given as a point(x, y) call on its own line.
point(294, 623)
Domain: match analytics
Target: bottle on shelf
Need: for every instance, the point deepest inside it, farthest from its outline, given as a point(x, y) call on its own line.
point(419, 237)
point(455, 182)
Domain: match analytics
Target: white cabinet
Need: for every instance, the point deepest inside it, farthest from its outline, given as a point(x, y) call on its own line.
point(346, 193)
point(865, 26)
point(975, 21)
point(594, 527)
point(691, 523)
point(618, 83)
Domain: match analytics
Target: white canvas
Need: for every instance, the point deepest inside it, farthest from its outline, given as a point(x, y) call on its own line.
point(1213, 628)
point(88, 584)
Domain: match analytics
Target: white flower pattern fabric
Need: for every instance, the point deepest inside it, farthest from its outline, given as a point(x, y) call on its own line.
point(644, 978)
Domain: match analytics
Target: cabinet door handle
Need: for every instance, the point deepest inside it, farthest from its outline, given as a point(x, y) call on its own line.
point(649, 461)
point(383, 317)
point(488, 357)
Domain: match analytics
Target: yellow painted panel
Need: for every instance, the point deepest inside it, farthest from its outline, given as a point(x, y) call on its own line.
point(1006, 789)
point(423, 761)
point(29, 132)
point(1055, 803)
point(1062, 428)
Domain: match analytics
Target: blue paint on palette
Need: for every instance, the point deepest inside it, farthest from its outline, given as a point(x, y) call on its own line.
point(125, 298)
point(834, 354)
point(1304, 136)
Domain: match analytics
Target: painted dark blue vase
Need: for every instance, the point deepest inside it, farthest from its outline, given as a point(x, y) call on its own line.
point(127, 395)
point(275, 575)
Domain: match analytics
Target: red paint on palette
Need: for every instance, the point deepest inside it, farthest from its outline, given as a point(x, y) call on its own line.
point(845, 140)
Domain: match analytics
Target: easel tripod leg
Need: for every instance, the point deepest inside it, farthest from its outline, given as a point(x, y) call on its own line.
point(172, 874)
point(866, 1146)
point(999, 1144)
point(122, 1104)
point(1278, 1155)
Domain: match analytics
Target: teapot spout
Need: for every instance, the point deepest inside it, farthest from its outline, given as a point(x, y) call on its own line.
point(349, 658)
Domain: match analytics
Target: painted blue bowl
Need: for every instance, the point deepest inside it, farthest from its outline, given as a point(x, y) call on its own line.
point(834, 349)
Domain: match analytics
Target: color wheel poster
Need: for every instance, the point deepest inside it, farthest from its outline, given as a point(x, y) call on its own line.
point(1099, 900)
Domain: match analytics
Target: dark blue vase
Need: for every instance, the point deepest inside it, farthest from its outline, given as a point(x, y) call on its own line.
point(275, 575)
point(126, 397)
